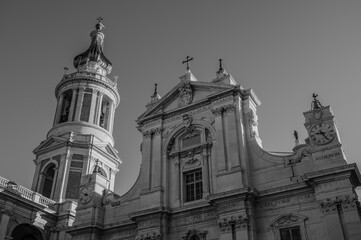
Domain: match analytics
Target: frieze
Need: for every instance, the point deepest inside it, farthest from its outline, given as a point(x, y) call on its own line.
point(216, 102)
point(329, 155)
point(192, 112)
point(227, 223)
point(149, 223)
point(284, 201)
point(330, 186)
point(149, 236)
point(194, 218)
point(153, 123)
point(230, 206)
point(123, 234)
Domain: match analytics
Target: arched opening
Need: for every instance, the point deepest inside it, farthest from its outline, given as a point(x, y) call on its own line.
point(48, 180)
point(26, 232)
point(65, 109)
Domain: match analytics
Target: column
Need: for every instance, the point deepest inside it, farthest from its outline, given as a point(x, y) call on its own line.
point(219, 145)
point(79, 104)
point(176, 179)
point(93, 106)
point(146, 155)
point(55, 181)
point(4, 222)
point(350, 217)
point(332, 219)
point(58, 109)
point(60, 188)
point(36, 177)
point(111, 118)
point(205, 173)
point(231, 133)
point(156, 159)
point(72, 105)
point(99, 108)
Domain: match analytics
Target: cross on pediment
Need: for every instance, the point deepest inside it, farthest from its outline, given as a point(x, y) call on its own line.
point(188, 59)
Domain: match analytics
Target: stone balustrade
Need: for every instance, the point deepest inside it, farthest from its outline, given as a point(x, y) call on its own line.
point(26, 193)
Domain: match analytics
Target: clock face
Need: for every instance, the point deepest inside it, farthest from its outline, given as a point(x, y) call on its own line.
point(86, 194)
point(322, 133)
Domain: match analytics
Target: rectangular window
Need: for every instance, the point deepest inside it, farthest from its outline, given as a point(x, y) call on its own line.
point(292, 233)
point(193, 185)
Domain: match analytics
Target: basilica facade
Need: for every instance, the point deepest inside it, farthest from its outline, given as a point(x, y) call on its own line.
point(204, 174)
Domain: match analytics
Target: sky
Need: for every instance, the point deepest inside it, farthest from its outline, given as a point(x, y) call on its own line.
point(283, 50)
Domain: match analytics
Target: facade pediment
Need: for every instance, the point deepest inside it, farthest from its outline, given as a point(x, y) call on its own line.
point(183, 95)
point(50, 142)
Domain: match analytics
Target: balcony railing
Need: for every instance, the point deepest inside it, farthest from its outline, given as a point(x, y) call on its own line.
point(25, 192)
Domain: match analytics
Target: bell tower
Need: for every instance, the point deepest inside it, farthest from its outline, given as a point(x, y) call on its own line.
point(80, 141)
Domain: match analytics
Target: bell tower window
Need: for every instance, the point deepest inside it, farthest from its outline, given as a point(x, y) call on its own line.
point(193, 185)
point(48, 180)
point(65, 109)
point(104, 114)
point(85, 110)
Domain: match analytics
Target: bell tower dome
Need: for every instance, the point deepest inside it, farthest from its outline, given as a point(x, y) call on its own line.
point(80, 140)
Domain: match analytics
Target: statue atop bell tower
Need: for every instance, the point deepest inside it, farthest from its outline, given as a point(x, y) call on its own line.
point(81, 137)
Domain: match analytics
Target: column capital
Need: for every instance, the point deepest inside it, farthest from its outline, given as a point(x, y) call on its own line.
point(227, 223)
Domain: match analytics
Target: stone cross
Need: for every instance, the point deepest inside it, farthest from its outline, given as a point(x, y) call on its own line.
point(187, 61)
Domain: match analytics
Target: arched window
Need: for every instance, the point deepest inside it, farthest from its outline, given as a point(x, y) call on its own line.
point(190, 151)
point(26, 232)
point(48, 180)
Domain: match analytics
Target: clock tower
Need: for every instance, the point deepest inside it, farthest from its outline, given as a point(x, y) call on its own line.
point(323, 136)
point(80, 140)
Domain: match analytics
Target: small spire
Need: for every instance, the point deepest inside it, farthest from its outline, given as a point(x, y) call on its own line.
point(315, 103)
point(188, 59)
point(65, 70)
point(155, 96)
point(220, 65)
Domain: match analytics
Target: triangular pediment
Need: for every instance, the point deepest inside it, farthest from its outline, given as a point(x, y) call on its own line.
point(49, 143)
point(107, 149)
point(185, 94)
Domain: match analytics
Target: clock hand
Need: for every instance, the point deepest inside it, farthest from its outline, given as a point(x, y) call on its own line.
point(322, 133)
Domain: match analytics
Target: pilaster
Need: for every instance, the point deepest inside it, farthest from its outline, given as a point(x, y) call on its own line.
point(93, 106)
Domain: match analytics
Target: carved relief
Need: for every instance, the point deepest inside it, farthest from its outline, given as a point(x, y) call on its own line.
point(154, 131)
point(111, 198)
point(149, 236)
point(285, 220)
point(193, 232)
point(186, 94)
point(329, 206)
point(349, 203)
point(344, 203)
point(305, 153)
point(233, 222)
